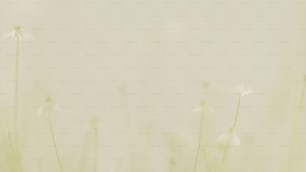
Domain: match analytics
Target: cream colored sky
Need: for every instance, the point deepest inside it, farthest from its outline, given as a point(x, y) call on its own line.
point(160, 51)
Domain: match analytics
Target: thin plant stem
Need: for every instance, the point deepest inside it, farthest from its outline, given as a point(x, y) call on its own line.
point(224, 158)
point(96, 148)
point(227, 147)
point(13, 134)
point(54, 140)
point(16, 91)
point(300, 108)
point(199, 142)
point(83, 162)
point(237, 112)
point(172, 165)
point(293, 137)
point(92, 138)
point(13, 155)
point(39, 165)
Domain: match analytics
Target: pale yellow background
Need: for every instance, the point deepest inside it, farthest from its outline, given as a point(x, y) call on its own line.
point(140, 67)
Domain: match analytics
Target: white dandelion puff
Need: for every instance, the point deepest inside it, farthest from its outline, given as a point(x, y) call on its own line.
point(203, 107)
point(48, 105)
point(18, 33)
point(225, 142)
point(243, 90)
point(229, 138)
point(47, 109)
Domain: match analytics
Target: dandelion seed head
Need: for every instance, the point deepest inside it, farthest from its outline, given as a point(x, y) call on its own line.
point(203, 106)
point(48, 104)
point(243, 90)
point(18, 29)
point(229, 138)
point(18, 33)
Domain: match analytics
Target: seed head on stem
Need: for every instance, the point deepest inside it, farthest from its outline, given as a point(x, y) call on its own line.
point(48, 108)
point(230, 137)
point(201, 109)
point(48, 104)
point(18, 32)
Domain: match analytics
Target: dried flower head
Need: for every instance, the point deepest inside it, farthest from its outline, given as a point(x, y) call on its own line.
point(203, 106)
point(48, 105)
point(229, 138)
point(243, 90)
point(18, 33)
point(18, 30)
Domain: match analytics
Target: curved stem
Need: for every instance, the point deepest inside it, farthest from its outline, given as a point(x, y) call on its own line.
point(53, 140)
point(199, 143)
